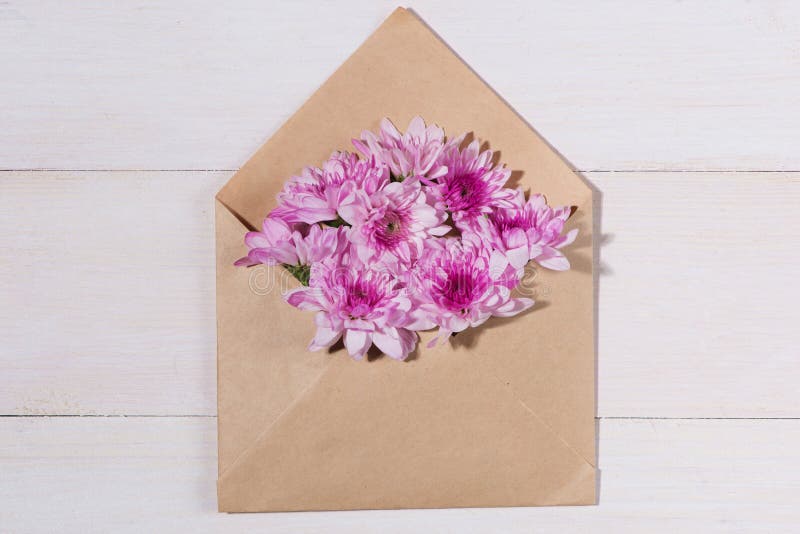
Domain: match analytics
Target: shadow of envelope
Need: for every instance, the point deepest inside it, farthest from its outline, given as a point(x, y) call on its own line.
point(502, 416)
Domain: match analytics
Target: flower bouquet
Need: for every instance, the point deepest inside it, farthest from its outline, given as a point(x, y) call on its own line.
point(419, 232)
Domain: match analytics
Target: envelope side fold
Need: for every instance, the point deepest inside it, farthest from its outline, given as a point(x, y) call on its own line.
point(550, 363)
point(260, 371)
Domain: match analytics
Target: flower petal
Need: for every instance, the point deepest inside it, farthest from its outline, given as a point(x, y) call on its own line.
point(553, 259)
point(304, 298)
point(390, 343)
point(256, 240)
point(518, 257)
point(569, 238)
point(416, 127)
point(324, 338)
point(513, 307)
point(515, 237)
point(497, 264)
point(245, 262)
point(357, 342)
point(275, 229)
point(441, 335)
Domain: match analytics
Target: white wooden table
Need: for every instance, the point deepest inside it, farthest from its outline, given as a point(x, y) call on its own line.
point(119, 121)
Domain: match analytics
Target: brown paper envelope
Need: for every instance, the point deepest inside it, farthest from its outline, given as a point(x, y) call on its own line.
point(501, 416)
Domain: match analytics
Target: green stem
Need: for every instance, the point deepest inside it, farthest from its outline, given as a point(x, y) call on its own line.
point(337, 222)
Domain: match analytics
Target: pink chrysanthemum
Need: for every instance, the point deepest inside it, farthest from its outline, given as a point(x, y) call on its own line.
point(320, 243)
point(529, 230)
point(393, 221)
point(460, 284)
point(315, 195)
point(274, 244)
point(362, 305)
point(412, 154)
point(279, 243)
point(472, 185)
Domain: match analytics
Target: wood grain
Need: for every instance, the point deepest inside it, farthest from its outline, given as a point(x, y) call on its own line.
point(107, 281)
point(158, 475)
point(698, 302)
point(200, 85)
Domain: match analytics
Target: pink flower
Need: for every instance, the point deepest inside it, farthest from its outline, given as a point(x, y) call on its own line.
point(365, 306)
point(460, 284)
point(281, 244)
point(412, 154)
point(320, 243)
point(315, 195)
point(274, 244)
point(529, 230)
point(472, 185)
point(393, 222)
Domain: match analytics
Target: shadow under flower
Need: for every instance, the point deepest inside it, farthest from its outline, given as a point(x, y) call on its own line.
point(469, 338)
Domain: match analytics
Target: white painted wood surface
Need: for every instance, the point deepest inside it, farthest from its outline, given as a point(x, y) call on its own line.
point(158, 475)
point(615, 85)
point(106, 274)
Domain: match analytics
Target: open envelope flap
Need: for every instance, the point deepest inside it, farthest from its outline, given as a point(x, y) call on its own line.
point(541, 361)
point(439, 434)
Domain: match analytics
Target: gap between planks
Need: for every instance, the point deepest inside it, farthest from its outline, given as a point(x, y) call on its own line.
point(206, 416)
point(583, 171)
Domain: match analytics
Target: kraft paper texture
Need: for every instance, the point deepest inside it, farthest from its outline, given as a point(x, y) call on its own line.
point(503, 415)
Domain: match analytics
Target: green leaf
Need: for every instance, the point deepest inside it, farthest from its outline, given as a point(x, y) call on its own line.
point(337, 222)
point(301, 272)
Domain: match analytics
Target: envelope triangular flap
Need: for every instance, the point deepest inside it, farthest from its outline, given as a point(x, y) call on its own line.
point(437, 435)
point(542, 361)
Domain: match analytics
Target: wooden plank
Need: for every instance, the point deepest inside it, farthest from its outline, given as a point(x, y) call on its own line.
point(107, 284)
point(698, 298)
point(200, 85)
point(158, 475)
